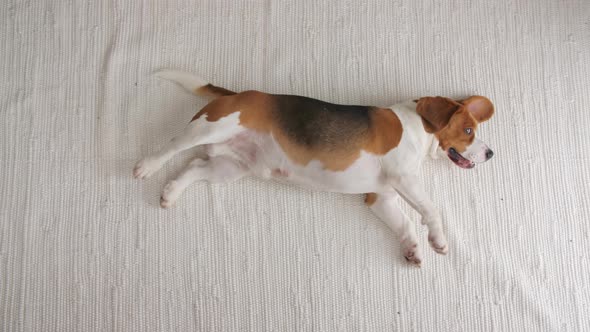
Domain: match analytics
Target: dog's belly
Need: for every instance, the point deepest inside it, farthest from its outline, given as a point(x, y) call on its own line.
point(361, 177)
point(265, 159)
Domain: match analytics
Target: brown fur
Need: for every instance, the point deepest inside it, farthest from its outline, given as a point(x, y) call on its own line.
point(213, 91)
point(385, 133)
point(256, 112)
point(436, 112)
point(453, 135)
point(480, 107)
point(370, 199)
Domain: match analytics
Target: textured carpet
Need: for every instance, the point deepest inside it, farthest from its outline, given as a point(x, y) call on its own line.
point(84, 247)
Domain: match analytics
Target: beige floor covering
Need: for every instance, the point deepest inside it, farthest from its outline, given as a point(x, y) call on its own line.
point(84, 247)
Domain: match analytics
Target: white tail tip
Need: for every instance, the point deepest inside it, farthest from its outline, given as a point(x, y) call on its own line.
point(188, 81)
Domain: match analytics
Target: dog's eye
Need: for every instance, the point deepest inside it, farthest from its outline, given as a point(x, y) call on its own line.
point(468, 131)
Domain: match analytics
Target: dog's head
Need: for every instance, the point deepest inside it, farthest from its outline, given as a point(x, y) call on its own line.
point(454, 123)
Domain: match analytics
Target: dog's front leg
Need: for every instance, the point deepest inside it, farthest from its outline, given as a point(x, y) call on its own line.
point(385, 206)
point(411, 190)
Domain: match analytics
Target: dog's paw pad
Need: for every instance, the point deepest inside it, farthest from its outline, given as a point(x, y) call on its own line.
point(412, 254)
point(145, 168)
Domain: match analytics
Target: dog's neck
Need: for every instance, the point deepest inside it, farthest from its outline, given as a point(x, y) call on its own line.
point(430, 142)
point(433, 151)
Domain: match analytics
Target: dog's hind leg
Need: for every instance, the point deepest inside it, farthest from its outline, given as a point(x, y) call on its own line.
point(215, 170)
point(198, 132)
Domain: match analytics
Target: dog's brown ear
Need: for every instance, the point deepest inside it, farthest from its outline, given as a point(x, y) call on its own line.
point(480, 107)
point(436, 112)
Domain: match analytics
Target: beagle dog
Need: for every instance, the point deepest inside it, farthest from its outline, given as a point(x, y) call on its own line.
point(322, 146)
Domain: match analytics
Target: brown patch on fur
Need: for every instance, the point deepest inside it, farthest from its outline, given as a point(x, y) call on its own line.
point(241, 102)
point(370, 199)
point(257, 113)
point(480, 107)
point(453, 135)
point(385, 131)
point(211, 90)
point(338, 160)
point(436, 112)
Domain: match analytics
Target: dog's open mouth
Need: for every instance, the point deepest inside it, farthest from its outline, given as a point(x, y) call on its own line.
point(459, 160)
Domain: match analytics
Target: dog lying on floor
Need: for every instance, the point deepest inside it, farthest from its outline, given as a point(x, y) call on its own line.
point(322, 146)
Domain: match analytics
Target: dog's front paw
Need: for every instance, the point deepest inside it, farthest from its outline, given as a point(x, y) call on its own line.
point(145, 168)
point(170, 194)
point(412, 253)
point(438, 242)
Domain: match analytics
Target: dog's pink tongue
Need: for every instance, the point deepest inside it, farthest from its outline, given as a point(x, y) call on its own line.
point(470, 165)
point(460, 160)
point(466, 163)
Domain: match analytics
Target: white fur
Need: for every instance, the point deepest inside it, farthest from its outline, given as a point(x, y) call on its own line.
point(476, 152)
point(214, 170)
point(197, 132)
point(188, 81)
point(387, 209)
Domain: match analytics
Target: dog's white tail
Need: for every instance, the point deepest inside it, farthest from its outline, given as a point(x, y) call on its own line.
point(194, 83)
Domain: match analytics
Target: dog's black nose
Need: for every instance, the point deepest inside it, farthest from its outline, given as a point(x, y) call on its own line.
point(489, 154)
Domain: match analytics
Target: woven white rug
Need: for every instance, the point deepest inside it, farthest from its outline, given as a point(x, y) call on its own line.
point(84, 247)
